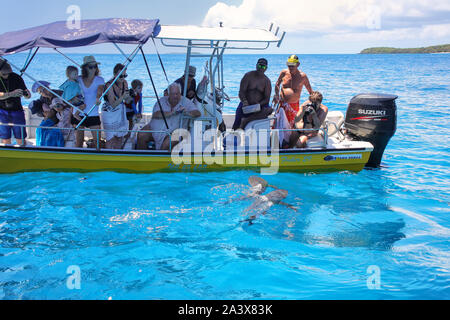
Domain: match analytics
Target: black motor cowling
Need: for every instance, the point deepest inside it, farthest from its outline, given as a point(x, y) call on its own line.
point(372, 118)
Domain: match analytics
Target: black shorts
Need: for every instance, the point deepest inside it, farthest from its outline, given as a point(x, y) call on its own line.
point(130, 115)
point(309, 134)
point(89, 122)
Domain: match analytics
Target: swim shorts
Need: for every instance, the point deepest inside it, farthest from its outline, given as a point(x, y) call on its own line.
point(15, 117)
point(89, 122)
point(240, 115)
point(291, 110)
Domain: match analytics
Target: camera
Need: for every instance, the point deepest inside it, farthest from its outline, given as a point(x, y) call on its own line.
point(132, 93)
point(78, 102)
point(309, 109)
point(36, 107)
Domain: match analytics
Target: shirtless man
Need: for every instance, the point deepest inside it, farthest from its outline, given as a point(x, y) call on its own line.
point(255, 89)
point(293, 81)
point(311, 115)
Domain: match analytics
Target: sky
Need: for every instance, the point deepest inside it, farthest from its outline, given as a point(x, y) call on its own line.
point(312, 26)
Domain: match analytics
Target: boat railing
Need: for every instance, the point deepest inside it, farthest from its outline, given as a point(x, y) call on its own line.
point(323, 133)
point(97, 133)
point(340, 136)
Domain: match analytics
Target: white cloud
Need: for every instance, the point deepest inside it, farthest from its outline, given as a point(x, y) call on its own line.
point(436, 31)
point(429, 33)
point(289, 14)
point(381, 18)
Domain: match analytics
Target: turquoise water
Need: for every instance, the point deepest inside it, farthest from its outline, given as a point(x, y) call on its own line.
point(176, 236)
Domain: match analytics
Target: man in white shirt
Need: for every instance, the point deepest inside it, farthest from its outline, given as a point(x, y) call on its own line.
point(174, 106)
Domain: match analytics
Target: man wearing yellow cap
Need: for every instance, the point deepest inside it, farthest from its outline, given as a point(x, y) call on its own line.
point(291, 82)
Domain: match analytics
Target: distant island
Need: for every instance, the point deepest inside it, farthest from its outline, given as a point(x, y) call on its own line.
point(434, 49)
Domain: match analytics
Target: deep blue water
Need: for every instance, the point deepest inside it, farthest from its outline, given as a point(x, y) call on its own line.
point(174, 236)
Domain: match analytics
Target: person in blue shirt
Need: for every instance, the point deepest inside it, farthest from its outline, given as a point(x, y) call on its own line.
point(134, 105)
point(46, 137)
point(72, 91)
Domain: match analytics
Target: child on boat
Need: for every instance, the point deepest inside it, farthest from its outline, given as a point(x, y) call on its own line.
point(134, 103)
point(46, 136)
point(134, 107)
point(64, 116)
point(72, 91)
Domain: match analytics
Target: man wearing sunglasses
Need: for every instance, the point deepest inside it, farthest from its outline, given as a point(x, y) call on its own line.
point(291, 83)
point(255, 89)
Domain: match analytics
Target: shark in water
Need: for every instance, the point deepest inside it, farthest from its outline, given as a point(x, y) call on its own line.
point(263, 203)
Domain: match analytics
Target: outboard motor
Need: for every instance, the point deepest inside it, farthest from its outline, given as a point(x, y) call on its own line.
point(373, 118)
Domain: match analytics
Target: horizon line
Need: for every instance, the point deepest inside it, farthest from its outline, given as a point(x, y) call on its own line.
point(182, 53)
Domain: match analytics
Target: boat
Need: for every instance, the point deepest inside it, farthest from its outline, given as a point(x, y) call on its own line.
point(346, 143)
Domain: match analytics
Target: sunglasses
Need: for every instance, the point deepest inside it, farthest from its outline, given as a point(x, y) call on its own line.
point(262, 66)
point(92, 67)
point(124, 76)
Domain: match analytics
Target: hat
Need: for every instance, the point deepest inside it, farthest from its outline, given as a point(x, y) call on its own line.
point(88, 60)
point(293, 60)
point(5, 66)
point(39, 84)
point(192, 71)
point(56, 102)
point(36, 107)
point(263, 61)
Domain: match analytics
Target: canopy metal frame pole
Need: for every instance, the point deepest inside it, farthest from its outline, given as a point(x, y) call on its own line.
point(216, 68)
point(68, 58)
point(212, 76)
point(211, 59)
point(222, 85)
point(186, 70)
point(205, 46)
point(209, 75)
point(154, 89)
point(221, 78)
point(126, 64)
point(281, 40)
point(46, 88)
point(28, 62)
point(30, 52)
point(160, 61)
point(120, 50)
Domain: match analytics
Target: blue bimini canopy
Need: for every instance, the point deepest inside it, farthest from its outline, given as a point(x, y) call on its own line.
point(58, 35)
